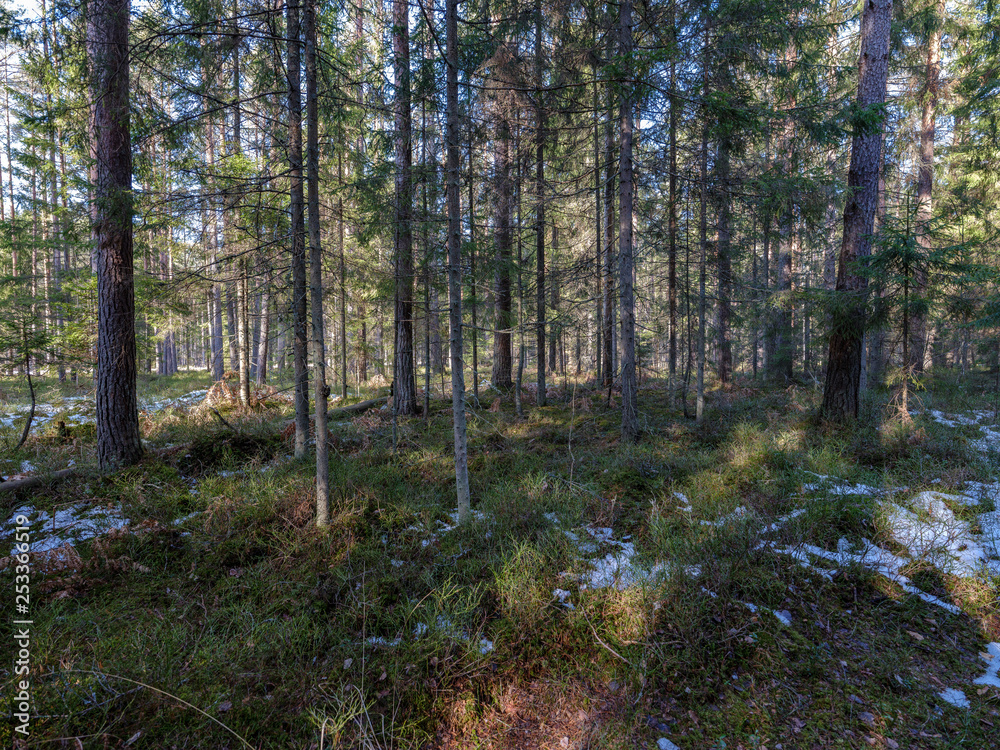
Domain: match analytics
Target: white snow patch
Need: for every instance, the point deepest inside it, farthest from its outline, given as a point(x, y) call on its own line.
point(992, 659)
point(562, 596)
point(27, 467)
point(738, 514)
point(664, 744)
point(954, 697)
point(935, 535)
point(977, 491)
point(685, 503)
point(377, 640)
point(69, 525)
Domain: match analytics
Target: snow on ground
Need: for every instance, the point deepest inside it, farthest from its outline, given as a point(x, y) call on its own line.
point(79, 410)
point(992, 659)
point(67, 526)
point(954, 697)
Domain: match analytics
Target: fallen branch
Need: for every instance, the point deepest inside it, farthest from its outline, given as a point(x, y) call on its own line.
point(223, 420)
point(357, 408)
point(42, 479)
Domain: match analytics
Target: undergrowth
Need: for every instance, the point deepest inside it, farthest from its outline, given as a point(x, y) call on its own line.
point(223, 618)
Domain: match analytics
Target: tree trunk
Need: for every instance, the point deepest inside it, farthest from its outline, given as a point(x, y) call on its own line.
point(925, 179)
point(672, 219)
point(502, 359)
point(702, 261)
point(724, 264)
point(609, 255)
point(404, 389)
point(843, 374)
point(630, 413)
point(118, 440)
point(540, 397)
point(455, 267)
point(316, 271)
point(299, 307)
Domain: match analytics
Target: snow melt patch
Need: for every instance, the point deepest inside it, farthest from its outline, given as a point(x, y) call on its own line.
point(954, 697)
point(67, 526)
point(931, 532)
point(992, 658)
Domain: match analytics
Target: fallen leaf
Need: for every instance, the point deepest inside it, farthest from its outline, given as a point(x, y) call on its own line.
point(915, 635)
point(225, 706)
point(133, 738)
point(348, 663)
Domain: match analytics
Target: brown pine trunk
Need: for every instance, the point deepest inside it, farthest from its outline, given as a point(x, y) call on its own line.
point(925, 180)
point(316, 271)
point(118, 441)
point(404, 392)
point(502, 357)
point(724, 267)
point(843, 374)
point(299, 307)
point(455, 268)
point(540, 397)
point(630, 412)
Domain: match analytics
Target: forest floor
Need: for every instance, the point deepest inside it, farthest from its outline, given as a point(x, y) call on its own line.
point(761, 580)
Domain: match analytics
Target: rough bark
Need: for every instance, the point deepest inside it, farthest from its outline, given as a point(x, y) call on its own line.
point(299, 306)
point(118, 441)
point(630, 414)
point(316, 271)
point(843, 374)
point(455, 267)
point(925, 179)
point(404, 378)
point(541, 394)
point(724, 264)
point(502, 356)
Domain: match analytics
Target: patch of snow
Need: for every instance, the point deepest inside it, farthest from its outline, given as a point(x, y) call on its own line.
point(738, 514)
point(67, 526)
point(188, 517)
point(685, 503)
point(954, 697)
point(990, 441)
point(377, 640)
point(27, 467)
point(562, 596)
point(485, 646)
point(780, 522)
point(664, 744)
point(976, 491)
point(992, 658)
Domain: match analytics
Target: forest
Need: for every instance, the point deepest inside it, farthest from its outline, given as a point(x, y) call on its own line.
point(500, 374)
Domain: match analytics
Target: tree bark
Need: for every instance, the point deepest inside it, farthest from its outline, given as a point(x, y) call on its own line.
point(118, 440)
point(630, 413)
point(502, 357)
point(455, 267)
point(540, 397)
point(404, 390)
point(843, 374)
point(925, 179)
point(316, 271)
point(299, 307)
